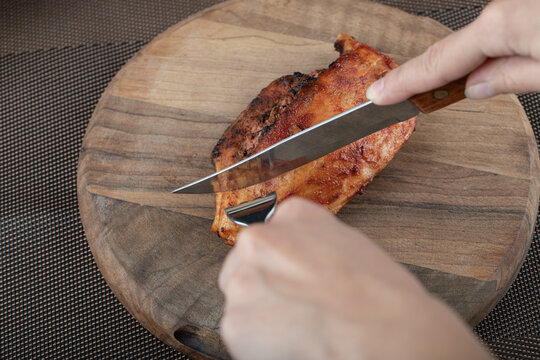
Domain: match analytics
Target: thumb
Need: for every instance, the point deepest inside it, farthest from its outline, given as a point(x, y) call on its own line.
point(514, 74)
point(448, 59)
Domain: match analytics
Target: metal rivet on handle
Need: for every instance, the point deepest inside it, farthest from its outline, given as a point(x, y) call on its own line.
point(440, 94)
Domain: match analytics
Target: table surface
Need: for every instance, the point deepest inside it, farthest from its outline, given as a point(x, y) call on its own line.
point(56, 58)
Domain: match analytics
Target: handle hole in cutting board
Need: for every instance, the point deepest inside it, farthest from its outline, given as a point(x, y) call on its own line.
point(201, 341)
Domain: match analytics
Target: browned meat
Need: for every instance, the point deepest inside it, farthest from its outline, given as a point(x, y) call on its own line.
point(293, 103)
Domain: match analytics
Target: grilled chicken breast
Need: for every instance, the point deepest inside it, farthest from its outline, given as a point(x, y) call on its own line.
point(295, 102)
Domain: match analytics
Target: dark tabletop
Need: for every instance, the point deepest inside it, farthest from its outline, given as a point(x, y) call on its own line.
point(56, 58)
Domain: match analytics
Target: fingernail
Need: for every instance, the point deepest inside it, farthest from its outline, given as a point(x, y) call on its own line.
point(375, 90)
point(480, 91)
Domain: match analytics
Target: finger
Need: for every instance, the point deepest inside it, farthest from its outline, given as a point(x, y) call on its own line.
point(449, 59)
point(255, 245)
point(244, 287)
point(268, 329)
point(240, 254)
point(263, 247)
point(296, 209)
point(274, 328)
point(504, 75)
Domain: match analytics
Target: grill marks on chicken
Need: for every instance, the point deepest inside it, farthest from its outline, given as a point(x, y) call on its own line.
point(293, 103)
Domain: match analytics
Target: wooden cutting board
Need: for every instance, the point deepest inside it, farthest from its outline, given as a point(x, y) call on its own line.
point(457, 204)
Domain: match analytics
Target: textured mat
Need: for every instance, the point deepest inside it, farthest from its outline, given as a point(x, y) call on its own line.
point(56, 58)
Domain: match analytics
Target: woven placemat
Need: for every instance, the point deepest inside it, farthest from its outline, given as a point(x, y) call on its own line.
point(56, 58)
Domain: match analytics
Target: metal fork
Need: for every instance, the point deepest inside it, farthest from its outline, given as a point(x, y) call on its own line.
point(258, 210)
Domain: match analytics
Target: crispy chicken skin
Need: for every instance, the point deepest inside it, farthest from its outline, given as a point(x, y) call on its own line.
point(293, 103)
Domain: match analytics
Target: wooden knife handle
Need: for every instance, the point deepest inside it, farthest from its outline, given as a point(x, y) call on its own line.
point(437, 99)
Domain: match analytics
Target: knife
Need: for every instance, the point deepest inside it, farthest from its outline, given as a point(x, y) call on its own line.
point(323, 138)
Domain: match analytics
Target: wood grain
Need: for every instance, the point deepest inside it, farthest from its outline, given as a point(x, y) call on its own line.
point(457, 205)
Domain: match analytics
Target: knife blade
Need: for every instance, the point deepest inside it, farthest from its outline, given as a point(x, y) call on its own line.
point(322, 139)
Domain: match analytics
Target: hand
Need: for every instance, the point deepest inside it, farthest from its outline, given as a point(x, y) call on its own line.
point(500, 50)
point(307, 286)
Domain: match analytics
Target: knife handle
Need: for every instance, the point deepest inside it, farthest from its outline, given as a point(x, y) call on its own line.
point(441, 97)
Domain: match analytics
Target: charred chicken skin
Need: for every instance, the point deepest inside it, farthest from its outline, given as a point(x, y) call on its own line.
point(293, 103)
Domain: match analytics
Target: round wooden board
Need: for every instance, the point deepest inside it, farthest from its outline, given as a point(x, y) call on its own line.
point(457, 204)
